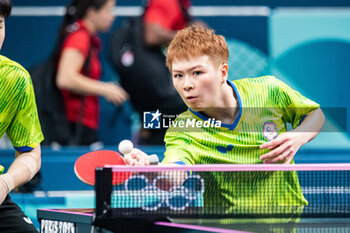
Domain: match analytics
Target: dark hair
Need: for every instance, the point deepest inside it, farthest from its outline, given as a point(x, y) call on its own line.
point(75, 11)
point(5, 8)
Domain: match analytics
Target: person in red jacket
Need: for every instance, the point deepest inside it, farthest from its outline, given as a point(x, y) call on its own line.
point(79, 68)
point(163, 18)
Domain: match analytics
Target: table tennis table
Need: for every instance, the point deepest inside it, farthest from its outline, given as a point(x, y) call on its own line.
point(80, 221)
point(145, 203)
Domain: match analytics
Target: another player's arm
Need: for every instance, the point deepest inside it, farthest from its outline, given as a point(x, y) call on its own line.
point(70, 78)
point(286, 145)
point(22, 170)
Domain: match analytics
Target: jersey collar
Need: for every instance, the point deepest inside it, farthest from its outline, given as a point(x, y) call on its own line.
point(223, 125)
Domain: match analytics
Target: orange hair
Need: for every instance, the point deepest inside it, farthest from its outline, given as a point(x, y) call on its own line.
point(194, 41)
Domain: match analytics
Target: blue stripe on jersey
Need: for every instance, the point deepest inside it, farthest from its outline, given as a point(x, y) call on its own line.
point(24, 148)
point(302, 119)
point(180, 163)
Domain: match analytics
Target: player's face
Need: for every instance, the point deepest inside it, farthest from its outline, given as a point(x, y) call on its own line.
point(2, 30)
point(104, 17)
point(199, 81)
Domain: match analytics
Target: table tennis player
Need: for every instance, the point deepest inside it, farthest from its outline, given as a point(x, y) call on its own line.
point(19, 119)
point(253, 113)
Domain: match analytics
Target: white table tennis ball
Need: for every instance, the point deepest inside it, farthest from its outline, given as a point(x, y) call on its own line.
point(125, 146)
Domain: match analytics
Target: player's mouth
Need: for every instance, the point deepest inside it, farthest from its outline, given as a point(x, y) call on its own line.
point(191, 98)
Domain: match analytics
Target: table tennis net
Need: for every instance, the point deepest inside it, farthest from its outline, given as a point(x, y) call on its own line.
point(229, 190)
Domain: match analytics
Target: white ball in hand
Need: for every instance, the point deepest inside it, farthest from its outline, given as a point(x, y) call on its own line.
point(125, 146)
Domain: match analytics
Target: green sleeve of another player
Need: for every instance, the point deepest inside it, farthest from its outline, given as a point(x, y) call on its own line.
point(24, 130)
point(296, 106)
point(178, 148)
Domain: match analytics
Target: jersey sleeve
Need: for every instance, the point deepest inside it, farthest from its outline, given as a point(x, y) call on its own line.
point(177, 149)
point(296, 107)
point(79, 40)
point(163, 13)
point(24, 129)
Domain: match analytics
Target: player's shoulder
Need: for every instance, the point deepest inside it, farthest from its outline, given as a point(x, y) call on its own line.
point(266, 83)
point(6, 63)
point(12, 70)
point(78, 32)
point(267, 79)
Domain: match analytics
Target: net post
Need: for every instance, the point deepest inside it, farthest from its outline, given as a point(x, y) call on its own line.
point(103, 190)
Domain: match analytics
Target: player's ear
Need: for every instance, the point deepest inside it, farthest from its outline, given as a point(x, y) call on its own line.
point(90, 13)
point(224, 72)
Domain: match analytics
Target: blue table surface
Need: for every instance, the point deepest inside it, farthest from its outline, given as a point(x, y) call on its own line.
point(217, 225)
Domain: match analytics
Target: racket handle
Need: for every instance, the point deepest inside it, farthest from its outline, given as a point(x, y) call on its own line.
point(153, 159)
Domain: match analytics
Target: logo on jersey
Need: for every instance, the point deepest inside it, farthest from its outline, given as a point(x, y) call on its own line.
point(270, 131)
point(223, 149)
point(151, 120)
point(127, 58)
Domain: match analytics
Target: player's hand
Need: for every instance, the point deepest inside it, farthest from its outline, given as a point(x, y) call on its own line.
point(283, 148)
point(136, 158)
point(115, 94)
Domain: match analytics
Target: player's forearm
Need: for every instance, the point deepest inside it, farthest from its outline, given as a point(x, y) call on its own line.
point(79, 84)
point(25, 166)
point(311, 126)
point(69, 76)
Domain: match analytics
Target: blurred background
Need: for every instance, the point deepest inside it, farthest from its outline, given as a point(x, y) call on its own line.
point(304, 43)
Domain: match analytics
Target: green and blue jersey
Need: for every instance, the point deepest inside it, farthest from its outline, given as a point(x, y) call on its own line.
point(266, 105)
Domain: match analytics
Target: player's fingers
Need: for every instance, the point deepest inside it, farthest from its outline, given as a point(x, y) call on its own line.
point(142, 161)
point(123, 93)
point(134, 153)
point(139, 160)
point(279, 150)
point(120, 95)
point(116, 97)
point(280, 158)
point(128, 160)
point(139, 152)
point(272, 147)
point(117, 100)
point(277, 159)
point(134, 156)
point(146, 161)
point(274, 143)
point(140, 157)
point(289, 158)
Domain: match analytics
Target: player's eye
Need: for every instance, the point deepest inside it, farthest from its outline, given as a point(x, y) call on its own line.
point(197, 72)
point(177, 75)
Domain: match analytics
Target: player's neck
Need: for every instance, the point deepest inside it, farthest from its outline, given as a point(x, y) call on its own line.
point(227, 107)
point(89, 26)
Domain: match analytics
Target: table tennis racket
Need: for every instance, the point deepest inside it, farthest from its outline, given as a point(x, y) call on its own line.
point(86, 164)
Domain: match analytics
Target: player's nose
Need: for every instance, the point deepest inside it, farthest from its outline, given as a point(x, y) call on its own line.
point(188, 83)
